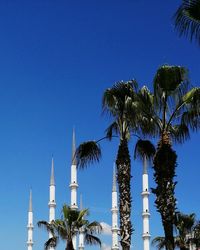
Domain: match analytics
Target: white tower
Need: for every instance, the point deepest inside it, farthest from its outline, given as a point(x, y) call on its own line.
point(52, 198)
point(81, 231)
point(145, 214)
point(30, 224)
point(74, 185)
point(114, 210)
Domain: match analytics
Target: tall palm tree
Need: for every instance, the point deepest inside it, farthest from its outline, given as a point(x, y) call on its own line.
point(67, 227)
point(120, 103)
point(187, 19)
point(170, 113)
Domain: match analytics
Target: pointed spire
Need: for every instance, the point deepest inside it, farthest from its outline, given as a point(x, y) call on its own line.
point(73, 148)
point(114, 188)
point(30, 202)
point(145, 165)
point(52, 180)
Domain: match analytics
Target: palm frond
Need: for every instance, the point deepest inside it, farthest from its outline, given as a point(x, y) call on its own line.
point(47, 226)
point(187, 19)
point(92, 240)
point(179, 133)
point(87, 153)
point(159, 242)
point(112, 129)
point(114, 99)
point(94, 227)
point(144, 148)
point(149, 122)
point(51, 242)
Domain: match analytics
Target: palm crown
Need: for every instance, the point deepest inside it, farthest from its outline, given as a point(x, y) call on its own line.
point(187, 19)
point(68, 226)
point(173, 108)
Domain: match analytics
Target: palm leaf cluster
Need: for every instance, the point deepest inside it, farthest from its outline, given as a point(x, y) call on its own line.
point(187, 19)
point(69, 225)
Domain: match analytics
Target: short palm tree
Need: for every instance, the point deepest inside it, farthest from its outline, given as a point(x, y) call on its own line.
point(185, 226)
point(68, 226)
point(187, 19)
point(170, 113)
point(120, 102)
point(160, 243)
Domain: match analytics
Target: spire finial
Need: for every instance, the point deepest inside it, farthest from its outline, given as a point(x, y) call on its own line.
point(114, 188)
point(145, 165)
point(30, 202)
point(73, 148)
point(52, 180)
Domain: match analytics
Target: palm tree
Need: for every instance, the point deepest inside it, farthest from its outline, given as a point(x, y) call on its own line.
point(67, 227)
point(170, 113)
point(187, 19)
point(185, 226)
point(120, 103)
point(160, 243)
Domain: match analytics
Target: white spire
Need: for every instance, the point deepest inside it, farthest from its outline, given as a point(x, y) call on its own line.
point(114, 210)
point(74, 185)
point(145, 214)
point(30, 223)
point(114, 187)
point(52, 179)
point(52, 197)
point(73, 148)
point(30, 202)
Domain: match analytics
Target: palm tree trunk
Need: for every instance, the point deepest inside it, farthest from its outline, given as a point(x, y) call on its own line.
point(69, 245)
point(123, 163)
point(164, 173)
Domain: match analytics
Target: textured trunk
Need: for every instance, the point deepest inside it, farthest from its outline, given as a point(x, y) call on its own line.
point(123, 177)
point(164, 173)
point(69, 245)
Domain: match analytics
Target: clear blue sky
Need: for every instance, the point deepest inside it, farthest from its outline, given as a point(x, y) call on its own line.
point(56, 59)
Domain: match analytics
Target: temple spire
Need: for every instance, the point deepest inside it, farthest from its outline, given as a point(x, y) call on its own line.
point(145, 213)
point(74, 185)
point(114, 210)
point(30, 224)
point(73, 148)
point(114, 187)
point(52, 199)
point(52, 179)
point(30, 202)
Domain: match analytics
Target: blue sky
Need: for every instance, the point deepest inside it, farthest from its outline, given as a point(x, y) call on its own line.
point(56, 59)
